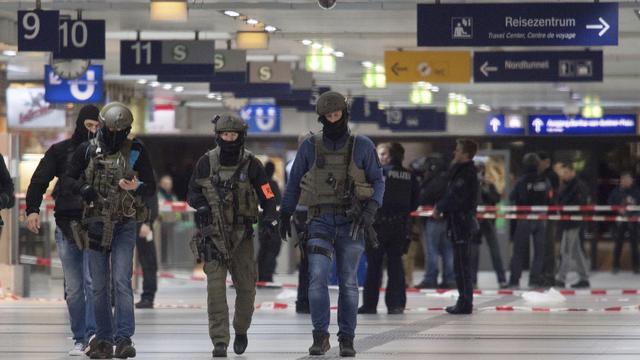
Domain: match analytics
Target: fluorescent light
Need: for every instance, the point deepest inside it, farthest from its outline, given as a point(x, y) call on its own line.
point(154, 84)
point(211, 95)
point(484, 107)
point(452, 95)
point(338, 54)
point(231, 13)
point(142, 81)
point(316, 46)
point(434, 88)
point(9, 53)
point(173, 11)
point(307, 42)
point(179, 89)
point(270, 28)
point(166, 86)
point(379, 68)
point(367, 64)
point(252, 21)
point(327, 50)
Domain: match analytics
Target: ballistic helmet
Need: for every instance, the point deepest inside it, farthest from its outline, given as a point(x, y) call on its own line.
point(116, 115)
point(329, 102)
point(229, 123)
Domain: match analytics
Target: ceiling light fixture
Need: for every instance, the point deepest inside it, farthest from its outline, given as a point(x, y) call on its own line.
point(154, 84)
point(231, 13)
point(338, 54)
point(252, 21)
point(316, 46)
point(327, 50)
point(367, 64)
point(171, 11)
point(142, 81)
point(166, 86)
point(307, 42)
point(179, 89)
point(270, 28)
point(9, 53)
point(211, 95)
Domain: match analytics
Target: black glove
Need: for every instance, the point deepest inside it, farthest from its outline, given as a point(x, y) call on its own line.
point(88, 193)
point(369, 213)
point(285, 225)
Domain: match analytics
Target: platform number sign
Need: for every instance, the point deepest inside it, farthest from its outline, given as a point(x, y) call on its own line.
point(38, 30)
point(81, 39)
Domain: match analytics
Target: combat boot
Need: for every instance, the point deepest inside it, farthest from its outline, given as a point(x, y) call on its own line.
point(320, 343)
point(240, 343)
point(220, 350)
point(102, 350)
point(346, 346)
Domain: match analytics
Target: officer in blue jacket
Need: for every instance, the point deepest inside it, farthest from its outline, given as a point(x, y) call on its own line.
point(333, 173)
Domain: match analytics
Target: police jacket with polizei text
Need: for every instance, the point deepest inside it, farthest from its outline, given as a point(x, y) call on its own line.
point(400, 191)
point(575, 192)
point(138, 161)
point(364, 156)
point(532, 189)
point(68, 203)
point(257, 177)
point(461, 195)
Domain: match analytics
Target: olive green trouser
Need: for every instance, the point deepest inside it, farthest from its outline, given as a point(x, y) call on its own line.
point(243, 273)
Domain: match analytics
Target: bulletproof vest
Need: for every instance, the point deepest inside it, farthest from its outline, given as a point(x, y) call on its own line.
point(332, 175)
point(103, 173)
point(538, 191)
point(397, 189)
point(229, 188)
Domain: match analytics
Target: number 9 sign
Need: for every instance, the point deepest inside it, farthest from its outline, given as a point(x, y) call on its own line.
point(38, 30)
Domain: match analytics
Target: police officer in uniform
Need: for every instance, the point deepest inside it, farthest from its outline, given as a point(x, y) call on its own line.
point(392, 220)
point(458, 207)
point(533, 188)
point(338, 176)
point(226, 188)
point(113, 174)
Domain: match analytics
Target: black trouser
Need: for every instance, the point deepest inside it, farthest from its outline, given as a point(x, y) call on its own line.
point(621, 231)
point(392, 238)
point(549, 266)
point(267, 254)
point(149, 262)
point(462, 267)
point(488, 231)
point(300, 227)
point(525, 229)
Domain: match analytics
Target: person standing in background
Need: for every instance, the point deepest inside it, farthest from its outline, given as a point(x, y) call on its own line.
point(269, 240)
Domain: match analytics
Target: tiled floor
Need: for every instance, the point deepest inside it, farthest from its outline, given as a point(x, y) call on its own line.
point(38, 329)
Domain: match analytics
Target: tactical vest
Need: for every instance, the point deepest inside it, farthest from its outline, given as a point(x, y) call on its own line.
point(229, 188)
point(103, 173)
point(333, 177)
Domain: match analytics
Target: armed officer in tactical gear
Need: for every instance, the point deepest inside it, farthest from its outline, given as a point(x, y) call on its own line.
point(338, 176)
point(113, 174)
point(225, 189)
point(458, 207)
point(400, 198)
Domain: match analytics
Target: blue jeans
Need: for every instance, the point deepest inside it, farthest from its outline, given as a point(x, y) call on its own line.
point(324, 230)
point(118, 263)
point(436, 244)
point(77, 288)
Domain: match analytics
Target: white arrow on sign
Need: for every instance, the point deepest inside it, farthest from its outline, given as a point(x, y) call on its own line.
point(495, 124)
point(603, 26)
point(538, 124)
point(485, 68)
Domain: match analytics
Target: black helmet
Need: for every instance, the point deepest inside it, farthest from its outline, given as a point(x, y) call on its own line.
point(116, 115)
point(329, 102)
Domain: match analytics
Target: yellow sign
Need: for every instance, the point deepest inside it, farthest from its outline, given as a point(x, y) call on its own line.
point(430, 66)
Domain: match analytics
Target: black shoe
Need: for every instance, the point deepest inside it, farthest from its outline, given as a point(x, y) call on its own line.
point(426, 285)
point(125, 349)
point(582, 284)
point(93, 342)
point(144, 304)
point(220, 350)
point(366, 310)
point(302, 308)
point(395, 311)
point(446, 285)
point(240, 343)
point(559, 284)
point(346, 347)
point(320, 343)
point(459, 310)
point(615, 270)
point(503, 285)
point(101, 350)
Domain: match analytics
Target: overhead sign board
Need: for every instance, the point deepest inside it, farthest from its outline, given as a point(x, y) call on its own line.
point(518, 24)
point(230, 61)
point(269, 72)
point(430, 66)
point(261, 118)
point(416, 120)
point(86, 89)
point(38, 30)
point(498, 125)
point(81, 39)
point(563, 125)
point(537, 66)
point(27, 109)
point(173, 57)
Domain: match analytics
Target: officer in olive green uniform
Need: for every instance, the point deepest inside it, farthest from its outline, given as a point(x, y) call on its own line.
point(225, 189)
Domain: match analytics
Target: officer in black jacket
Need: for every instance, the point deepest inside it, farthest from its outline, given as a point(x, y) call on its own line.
point(7, 197)
point(626, 194)
point(533, 188)
point(458, 206)
point(68, 209)
point(391, 224)
point(147, 255)
point(553, 230)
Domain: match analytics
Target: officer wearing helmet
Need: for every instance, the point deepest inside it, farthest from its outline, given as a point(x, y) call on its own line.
point(329, 169)
point(226, 188)
point(113, 174)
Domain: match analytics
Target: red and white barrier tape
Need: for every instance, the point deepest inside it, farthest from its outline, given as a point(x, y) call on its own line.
point(549, 208)
point(550, 217)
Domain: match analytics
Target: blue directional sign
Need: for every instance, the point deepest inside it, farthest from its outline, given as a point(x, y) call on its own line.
point(416, 120)
point(81, 39)
point(86, 89)
point(38, 30)
point(497, 125)
point(170, 58)
point(564, 125)
point(537, 66)
point(261, 118)
point(526, 24)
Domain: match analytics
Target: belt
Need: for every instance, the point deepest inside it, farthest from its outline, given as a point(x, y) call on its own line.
point(319, 210)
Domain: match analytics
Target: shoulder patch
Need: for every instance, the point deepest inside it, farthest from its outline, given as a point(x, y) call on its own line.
point(266, 191)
